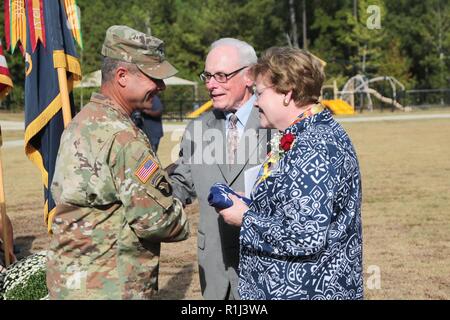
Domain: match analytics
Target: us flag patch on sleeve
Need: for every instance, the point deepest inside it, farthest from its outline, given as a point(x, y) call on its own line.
point(147, 168)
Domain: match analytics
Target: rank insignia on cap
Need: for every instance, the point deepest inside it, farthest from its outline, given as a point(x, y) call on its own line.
point(146, 169)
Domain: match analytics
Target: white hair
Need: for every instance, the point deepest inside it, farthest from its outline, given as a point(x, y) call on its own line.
point(247, 54)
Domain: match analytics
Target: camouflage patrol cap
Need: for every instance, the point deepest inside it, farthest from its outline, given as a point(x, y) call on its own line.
point(145, 51)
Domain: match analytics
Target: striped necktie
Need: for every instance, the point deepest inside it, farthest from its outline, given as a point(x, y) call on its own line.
point(232, 138)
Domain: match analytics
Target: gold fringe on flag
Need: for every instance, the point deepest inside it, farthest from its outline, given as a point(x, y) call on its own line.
point(73, 18)
point(16, 24)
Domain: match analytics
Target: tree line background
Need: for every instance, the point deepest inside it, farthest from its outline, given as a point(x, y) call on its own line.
point(412, 45)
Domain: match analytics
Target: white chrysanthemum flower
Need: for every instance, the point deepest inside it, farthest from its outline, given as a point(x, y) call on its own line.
point(23, 275)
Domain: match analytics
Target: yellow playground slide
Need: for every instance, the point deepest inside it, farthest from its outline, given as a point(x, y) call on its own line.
point(339, 107)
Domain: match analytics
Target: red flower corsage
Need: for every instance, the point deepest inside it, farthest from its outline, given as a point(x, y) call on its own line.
point(286, 141)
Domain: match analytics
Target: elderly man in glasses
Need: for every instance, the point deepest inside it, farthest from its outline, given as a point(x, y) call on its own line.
point(221, 146)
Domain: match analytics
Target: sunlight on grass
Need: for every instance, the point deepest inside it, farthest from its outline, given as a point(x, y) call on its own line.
point(405, 170)
point(406, 198)
point(11, 135)
point(11, 116)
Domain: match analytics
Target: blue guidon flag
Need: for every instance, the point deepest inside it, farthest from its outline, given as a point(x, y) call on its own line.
point(146, 169)
point(43, 104)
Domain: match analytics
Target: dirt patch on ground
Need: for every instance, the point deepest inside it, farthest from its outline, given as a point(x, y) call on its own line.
point(405, 168)
point(178, 271)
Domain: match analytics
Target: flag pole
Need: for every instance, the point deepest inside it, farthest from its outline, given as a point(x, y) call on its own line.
point(64, 92)
point(6, 244)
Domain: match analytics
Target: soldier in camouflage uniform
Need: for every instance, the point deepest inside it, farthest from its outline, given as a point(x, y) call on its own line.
point(114, 201)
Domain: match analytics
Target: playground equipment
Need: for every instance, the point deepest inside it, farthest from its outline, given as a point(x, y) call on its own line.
point(360, 85)
point(203, 108)
point(339, 107)
point(343, 102)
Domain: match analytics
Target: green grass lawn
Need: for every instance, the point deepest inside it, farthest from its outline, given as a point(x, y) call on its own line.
point(406, 191)
point(405, 169)
point(19, 116)
point(387, 112)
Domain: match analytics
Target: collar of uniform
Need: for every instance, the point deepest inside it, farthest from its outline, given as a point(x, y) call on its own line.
point(104, 100)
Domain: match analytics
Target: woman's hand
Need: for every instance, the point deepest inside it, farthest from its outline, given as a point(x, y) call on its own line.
point(234, 214)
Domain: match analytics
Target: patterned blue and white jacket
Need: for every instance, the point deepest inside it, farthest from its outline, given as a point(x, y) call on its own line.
point(302, 237)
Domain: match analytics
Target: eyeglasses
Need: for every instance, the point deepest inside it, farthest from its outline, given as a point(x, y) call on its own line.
point(221, 77)
point(259, 94)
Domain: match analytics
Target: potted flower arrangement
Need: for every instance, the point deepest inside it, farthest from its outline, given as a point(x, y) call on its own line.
point(25, 279)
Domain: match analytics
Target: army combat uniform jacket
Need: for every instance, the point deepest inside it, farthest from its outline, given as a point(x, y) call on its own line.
point(114, 208)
